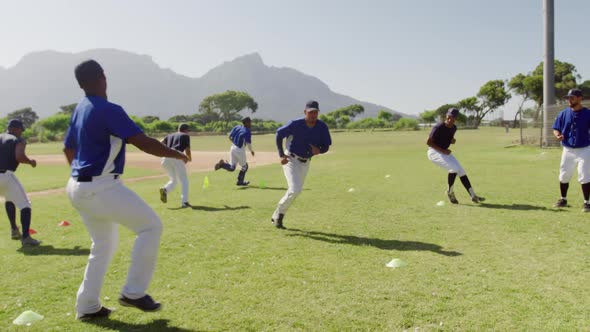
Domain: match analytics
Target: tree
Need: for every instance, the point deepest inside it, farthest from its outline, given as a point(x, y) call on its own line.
point(68, 109)
point(26, 115)
point(585, 87)
point(228, 104)
point(205, 117)
point(428, 117)
point(343, 116)
point(521, 85)
point(150, 118)
point(388, 116)
point(490, 97)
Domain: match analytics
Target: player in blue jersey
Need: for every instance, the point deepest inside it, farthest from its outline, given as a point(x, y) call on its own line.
point(305, 138)
point(241, 137)
point(95, 149)
point(571, 128)
point(441, 137)
point(12, 153)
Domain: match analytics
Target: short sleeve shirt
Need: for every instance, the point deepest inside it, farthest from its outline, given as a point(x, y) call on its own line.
point(574, 126)
point(240, 135)
point(98, 133)
point(178, 141)
point(8, 145)
point(442, 135)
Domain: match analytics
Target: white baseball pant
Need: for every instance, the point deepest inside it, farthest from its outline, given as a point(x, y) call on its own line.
point(237, 156)
point(570, 157)
point(295, 172)
point(13, 191)
point(445, 161)
point(176, 170)
point(102, 204)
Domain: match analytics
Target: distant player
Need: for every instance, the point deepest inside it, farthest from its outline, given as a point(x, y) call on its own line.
point(95, 150)
point(441, 137)
point(12, 153)
point(241, 138)
point(571, 128)
point(176, 169)
point(306, 137)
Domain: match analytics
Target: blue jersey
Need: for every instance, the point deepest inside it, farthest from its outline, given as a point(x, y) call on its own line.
point(240, 135)
point(574, 126)
point(98, 132)
point(300, 137)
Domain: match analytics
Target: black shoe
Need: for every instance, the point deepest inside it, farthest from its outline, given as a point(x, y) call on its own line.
point(586, 207)
point(560, 203)
point(245, 183)
point(452, 198)
point(103, 312)
point(477, 199)
point(186, 205)
point(145, 303)
point(163, 195)
point(279, 221)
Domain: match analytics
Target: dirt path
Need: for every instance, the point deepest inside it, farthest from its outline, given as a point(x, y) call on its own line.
point(202, 161)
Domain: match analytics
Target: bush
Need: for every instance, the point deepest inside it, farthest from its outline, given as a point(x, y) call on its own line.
point(406, 124)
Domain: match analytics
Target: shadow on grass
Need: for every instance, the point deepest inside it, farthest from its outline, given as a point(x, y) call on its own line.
point(211, 208)
point(160, 325)
point(377, 243)
point(262, 188)
point(50, 250)
point(516, 207)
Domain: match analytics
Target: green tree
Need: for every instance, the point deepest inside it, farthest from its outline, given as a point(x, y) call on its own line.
point(26, 115)
point(585, 87)
point(388, 116)
point(68, 109)
point(228, 104)
point(343, 116)
point(150, 118)
point(490, 97)
point(428, 117)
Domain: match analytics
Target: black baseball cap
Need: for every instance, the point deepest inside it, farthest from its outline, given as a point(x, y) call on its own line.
point(453, 112)
point(246, 119)
point(183, 127)
point(312, 105)
point(574, 93)
point(16, 123)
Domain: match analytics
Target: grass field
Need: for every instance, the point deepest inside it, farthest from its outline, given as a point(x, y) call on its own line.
point(513, 263)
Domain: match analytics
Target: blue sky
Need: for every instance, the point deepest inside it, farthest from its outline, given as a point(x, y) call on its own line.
point(406, 55)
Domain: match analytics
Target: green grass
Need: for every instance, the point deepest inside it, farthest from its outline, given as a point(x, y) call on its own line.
point(513, 263)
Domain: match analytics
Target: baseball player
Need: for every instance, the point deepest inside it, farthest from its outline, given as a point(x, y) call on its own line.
point(241, 137)
point(306, 137)
point(95, 149)
point(571, 128)
point(12, 153)
point(441, 137)
point(176, 169)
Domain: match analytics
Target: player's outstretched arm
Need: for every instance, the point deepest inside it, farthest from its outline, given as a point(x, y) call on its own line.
point(154, 147)
point(21, 156)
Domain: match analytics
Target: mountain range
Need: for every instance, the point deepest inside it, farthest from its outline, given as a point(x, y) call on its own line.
point(45, 81)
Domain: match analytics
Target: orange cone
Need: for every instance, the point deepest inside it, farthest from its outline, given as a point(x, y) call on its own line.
point(32, 231)
point(64, 223)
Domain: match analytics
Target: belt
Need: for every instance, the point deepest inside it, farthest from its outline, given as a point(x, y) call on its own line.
point(89, 178)
point(303, 160)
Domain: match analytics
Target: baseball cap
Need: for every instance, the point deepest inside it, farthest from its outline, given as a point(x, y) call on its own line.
point(312, 105)
point(453, 112)
point(16, 123)
point(574, 93)
point(246, 119)
point(183, 127)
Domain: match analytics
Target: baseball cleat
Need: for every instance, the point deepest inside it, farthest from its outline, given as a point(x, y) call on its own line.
point(219, 164)
point(476, 199)
point(186, 205)
point(145, 303)
point(586, 207)
point(29, 241)
point(278, 222)
point(15, 234)
point(103, 312)
point(560, 203)
point(245, 183)
point(163, 195)
point(452, 198)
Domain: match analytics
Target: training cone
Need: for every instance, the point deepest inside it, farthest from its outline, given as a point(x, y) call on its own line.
point(395, 263)
point(262, 184)
point(64, 223)
point(206, 183)
point(440, 203)
point(32, 231)
point(26, 318)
